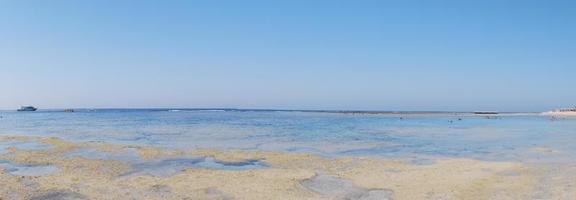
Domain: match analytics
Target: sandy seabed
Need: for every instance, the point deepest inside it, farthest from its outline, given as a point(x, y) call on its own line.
point(287, 176)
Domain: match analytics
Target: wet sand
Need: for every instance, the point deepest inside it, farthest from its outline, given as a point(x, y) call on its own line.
point(285, 176)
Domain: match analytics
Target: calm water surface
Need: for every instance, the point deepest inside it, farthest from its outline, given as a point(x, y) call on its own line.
point(507, 137)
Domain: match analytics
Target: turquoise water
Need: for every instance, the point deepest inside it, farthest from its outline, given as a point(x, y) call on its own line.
point(506, 137)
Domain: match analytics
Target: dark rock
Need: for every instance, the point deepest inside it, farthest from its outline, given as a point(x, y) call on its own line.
point(375, 194)
point(58, 195)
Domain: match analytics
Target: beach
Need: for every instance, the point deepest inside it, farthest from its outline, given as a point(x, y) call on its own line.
point(286, 176)
point(156, 154)
point(287, 100)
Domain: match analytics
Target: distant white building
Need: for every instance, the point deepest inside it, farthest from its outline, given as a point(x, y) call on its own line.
point(567, 109)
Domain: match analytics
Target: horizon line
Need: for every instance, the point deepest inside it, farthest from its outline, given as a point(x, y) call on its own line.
point(376, 111)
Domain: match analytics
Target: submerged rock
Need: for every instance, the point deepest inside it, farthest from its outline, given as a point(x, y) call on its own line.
point(379, 194)
point(339, 188)
point(215, 194)
point(29, 183)
point(58, 195)
point(161, 188)
point(330, 186)
point(210, 193)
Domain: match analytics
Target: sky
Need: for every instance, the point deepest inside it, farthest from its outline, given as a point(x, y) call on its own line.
point(505, 55)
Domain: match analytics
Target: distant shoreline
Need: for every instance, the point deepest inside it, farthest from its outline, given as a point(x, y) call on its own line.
point(560, 113)
point(352, 112)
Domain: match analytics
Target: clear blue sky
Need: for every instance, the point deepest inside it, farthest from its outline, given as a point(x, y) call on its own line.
point(307, 54)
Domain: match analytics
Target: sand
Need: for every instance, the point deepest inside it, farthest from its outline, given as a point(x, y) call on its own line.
point(557, 113)
point(288, 176)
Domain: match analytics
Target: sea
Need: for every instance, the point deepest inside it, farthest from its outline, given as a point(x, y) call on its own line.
point(521, 137)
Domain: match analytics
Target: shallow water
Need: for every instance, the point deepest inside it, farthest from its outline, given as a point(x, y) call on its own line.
point(507, 137)
point(126, 154)
point(23, 145)
point(172, 166)
point(27, 169)
point(165, 166)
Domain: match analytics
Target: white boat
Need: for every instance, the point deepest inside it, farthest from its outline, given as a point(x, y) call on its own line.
point(27, 108)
